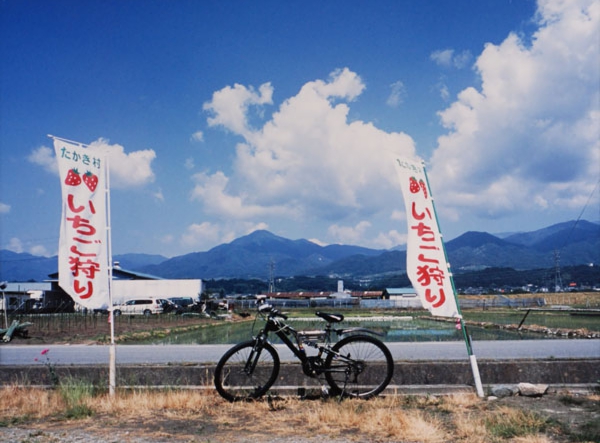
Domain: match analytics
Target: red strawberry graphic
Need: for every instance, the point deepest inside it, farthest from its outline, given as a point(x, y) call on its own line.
point(423, 187)
point(73, 178)
point(414, 186)
point(90, 180)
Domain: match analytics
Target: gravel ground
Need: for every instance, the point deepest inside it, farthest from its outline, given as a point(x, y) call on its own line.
point(20, 435)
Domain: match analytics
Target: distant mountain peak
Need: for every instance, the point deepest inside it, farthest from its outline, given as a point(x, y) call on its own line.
point(474, 239)
point(261, 252)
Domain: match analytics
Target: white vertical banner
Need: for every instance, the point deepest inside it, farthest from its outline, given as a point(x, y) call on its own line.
point(426, 264)
point(83, 262)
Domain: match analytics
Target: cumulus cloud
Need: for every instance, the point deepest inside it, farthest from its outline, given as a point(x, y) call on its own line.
point(202, 236)
point(16, 245)
point(230, 106)
point(529, 138)
point(127, 170)
point(4, 208)
point(348, 234)
point(307, 160)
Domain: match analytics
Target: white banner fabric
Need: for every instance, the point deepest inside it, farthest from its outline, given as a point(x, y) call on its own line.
point(83, 264)
point(426, 263)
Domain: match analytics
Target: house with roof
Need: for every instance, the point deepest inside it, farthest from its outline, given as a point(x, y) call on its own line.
point(126, 285)
point(403, 297)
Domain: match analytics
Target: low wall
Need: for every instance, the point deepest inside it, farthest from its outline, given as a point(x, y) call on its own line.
point(424, 374)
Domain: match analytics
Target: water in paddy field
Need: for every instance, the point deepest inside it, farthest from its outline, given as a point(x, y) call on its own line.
point(392, 328)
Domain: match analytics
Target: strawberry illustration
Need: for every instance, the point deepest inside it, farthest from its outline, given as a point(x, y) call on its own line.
point(90, 180)
point(423, 187)
point(73, 178)
point(414, 186)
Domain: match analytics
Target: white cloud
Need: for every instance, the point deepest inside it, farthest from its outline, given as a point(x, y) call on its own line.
point(158, 195)
point(15, 245)
point(448, 58)
point(203, 236)
point(308, 160)
point(211, 190)
point(127, 170)
point(350, 235)
point(230, 106)
point(189, 163)
point(39, 250)
point(397, 93)
point(44, 157)
point(390, 239)
point(197, 136)
point(529, 139)
point(443, 89)
point(4, 208)
point(167, 239)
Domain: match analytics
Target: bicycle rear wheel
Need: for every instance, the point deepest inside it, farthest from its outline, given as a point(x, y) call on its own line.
point(361, 366)
point(246, 371)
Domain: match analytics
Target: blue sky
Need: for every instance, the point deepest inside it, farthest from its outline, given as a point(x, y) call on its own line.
point(223, 117)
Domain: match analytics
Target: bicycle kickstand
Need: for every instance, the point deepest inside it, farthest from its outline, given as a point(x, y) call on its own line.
point(343, 393)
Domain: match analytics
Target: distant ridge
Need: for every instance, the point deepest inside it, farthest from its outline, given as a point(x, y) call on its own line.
point(252, 256)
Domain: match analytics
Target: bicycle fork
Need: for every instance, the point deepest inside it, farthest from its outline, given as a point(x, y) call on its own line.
point(253, 358)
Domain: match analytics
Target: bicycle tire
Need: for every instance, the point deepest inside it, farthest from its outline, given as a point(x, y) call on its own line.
point(366, 374)
point(234, 383)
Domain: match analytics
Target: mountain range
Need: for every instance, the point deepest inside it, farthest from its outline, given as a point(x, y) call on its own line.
point(262, 254)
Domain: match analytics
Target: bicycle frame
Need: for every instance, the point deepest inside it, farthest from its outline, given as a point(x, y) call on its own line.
point(311, 365)
point(249, 369)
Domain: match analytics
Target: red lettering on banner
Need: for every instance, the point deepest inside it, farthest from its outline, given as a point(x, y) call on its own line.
point(420, 216)
point(81, 263)
point(72, 208)
point(85, 291)
point(429, 273)
point(82, 225)
point(87, 267)
point(431, 298)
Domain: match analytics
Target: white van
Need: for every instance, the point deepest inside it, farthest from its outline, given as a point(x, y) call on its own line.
point(140, 306)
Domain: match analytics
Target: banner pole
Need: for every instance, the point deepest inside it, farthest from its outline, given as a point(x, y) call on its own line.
point(53, 137)
point(463, 326)
point(112, 350)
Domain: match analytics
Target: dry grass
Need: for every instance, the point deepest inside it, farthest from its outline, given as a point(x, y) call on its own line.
point(181, 415)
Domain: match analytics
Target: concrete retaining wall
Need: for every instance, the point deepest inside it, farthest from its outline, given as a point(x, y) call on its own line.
point(406, 373)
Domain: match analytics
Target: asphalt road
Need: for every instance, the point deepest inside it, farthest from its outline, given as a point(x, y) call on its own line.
point(182, 354)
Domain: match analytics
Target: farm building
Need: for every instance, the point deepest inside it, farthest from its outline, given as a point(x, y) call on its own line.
point(127, 285)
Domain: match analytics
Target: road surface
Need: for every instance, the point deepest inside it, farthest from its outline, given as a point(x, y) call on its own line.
point(183, 354)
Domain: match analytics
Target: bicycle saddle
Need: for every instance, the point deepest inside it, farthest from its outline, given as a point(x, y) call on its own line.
point(331, 318)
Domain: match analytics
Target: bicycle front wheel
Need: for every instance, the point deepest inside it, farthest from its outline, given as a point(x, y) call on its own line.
point(246, 371)
point(360, 366)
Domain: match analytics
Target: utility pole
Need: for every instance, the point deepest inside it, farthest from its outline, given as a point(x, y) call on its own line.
point(558, 286)
point(271, 276)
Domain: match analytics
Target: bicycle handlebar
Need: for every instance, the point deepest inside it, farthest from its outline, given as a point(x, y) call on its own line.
point(271, 311)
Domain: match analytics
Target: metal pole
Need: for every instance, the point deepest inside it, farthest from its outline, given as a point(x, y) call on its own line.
point(5, 307)
point(112, 365)
point(472, 358)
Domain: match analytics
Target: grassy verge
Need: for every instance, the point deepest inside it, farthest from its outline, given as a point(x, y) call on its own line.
point(181, 415)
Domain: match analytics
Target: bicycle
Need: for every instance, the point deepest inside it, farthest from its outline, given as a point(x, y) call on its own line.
point(249, 369)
